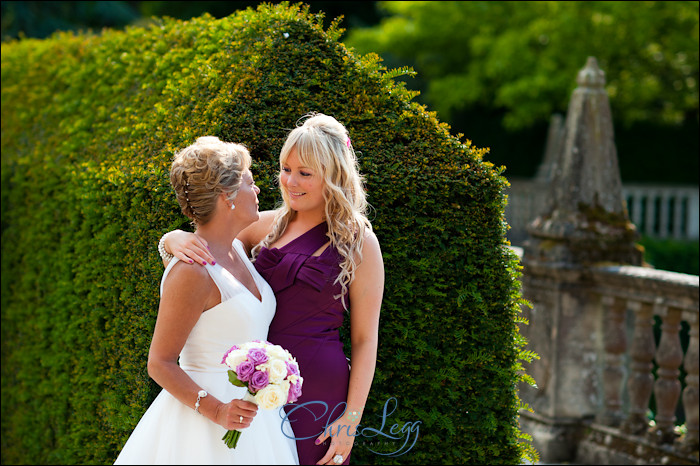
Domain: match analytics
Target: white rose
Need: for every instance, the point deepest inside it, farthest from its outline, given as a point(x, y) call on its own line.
point(247, 345)
point(277, 352)
point(235, 357)
point(277, 370)
point(271, 397)
point(263, 367)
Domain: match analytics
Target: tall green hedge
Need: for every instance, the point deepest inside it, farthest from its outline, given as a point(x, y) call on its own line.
point(89, 125)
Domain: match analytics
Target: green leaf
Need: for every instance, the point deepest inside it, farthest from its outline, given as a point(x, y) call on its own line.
point(233, 378)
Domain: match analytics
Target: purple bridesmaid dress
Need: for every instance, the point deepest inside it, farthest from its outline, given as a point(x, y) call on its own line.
point(307, 323)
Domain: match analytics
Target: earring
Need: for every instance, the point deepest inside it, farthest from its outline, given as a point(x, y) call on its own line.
point(233, 206)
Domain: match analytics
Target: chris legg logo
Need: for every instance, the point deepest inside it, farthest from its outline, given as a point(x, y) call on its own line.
point(406, 432)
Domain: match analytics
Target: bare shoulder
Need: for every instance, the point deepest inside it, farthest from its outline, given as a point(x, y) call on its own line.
point(257, 231)
point(266, 218)
point(371, 253)
point(191, 277)
point(367, 287)
point(371, 243)
point(188, 291)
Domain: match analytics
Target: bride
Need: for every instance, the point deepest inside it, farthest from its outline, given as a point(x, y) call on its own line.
point(203, 312)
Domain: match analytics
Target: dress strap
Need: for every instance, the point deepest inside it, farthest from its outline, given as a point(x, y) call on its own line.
point(167, 270)
point(309, 242)
point(227, 284)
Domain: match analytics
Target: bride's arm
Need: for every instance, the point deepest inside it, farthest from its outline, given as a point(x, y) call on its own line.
point(257, 231)
point(187, 292)
point(366, 293)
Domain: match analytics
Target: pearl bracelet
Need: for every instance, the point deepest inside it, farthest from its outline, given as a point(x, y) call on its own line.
point(165, 255)
point(201, 394)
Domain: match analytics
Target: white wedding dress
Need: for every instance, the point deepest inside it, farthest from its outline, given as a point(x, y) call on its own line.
point(172, 433)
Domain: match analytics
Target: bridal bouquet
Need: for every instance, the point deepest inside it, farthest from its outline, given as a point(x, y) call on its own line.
point(270, 374)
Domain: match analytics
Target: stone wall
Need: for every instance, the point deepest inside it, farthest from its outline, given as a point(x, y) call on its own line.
point(581, 273)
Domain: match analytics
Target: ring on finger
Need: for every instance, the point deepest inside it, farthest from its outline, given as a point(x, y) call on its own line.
point(338, 459)
point(240, 419)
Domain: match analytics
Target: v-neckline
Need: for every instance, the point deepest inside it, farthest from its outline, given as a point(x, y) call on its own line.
point(255, 282)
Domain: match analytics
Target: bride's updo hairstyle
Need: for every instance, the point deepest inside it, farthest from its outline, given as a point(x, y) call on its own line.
point(204, 170)
point(323, 145)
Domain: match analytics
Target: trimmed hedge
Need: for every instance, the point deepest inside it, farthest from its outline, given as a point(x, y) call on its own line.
point(676, 255)
point(89, 126)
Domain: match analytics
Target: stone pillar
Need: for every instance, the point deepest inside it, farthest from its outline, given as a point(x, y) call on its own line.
point(586, 220)
point(691, 394)
point(585, 223)
point(555, 139)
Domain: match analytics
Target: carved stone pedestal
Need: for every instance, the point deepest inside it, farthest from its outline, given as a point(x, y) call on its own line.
point(585, 224)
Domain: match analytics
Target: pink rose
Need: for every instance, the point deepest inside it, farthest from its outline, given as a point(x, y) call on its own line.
point(292, 369)
point(245, 370)
point(257, 356)
point(294, 392)
point(258, 380)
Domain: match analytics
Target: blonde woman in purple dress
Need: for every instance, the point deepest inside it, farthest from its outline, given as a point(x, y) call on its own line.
point(320, 256)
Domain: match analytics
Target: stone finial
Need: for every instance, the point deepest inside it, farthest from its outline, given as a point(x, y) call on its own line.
point(591, 76)
point(586, 211)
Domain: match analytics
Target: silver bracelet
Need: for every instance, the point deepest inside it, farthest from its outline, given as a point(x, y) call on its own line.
point(201, 394)
point(165, 255)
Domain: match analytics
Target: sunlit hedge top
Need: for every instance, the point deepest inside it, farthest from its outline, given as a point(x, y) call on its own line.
point(89, 126)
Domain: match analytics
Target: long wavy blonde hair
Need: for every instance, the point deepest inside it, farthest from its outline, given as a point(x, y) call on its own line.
point(322, 144)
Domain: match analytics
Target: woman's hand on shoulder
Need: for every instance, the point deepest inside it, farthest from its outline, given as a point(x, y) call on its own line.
point(188, 247)
point(182, 274)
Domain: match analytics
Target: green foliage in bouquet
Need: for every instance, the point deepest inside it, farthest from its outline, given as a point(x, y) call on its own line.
point(89, 127)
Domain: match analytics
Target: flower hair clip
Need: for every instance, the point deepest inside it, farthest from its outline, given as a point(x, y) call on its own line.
point(347, 142)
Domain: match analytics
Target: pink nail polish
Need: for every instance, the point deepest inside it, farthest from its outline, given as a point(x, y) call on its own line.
point(318, 441)
point(213, 263)
point(205, 263)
